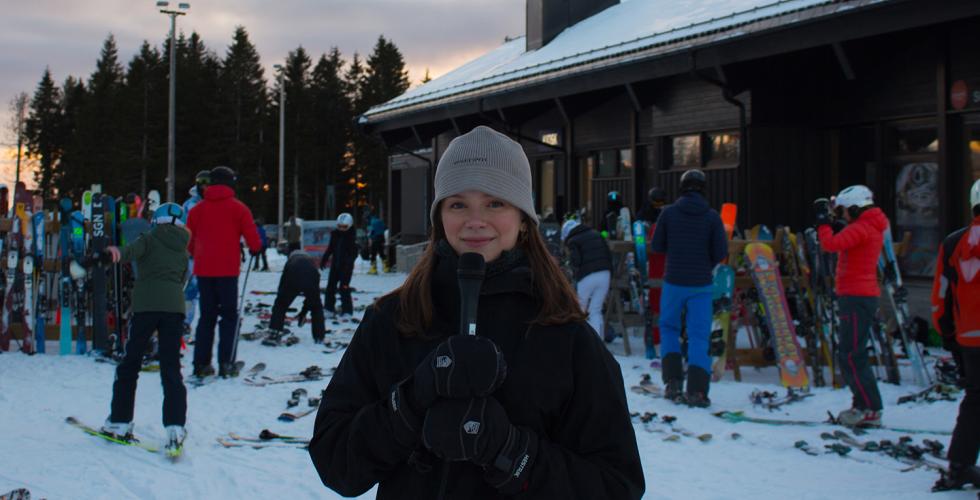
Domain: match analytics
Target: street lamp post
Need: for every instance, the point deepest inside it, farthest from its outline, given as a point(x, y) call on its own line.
point(171, 175)
point(282, 145)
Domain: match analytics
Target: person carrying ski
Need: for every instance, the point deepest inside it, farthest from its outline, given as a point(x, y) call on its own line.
point(532, 405)
point(858, 246)
point(264, 238)
point(191, 292)
point(217, 224)
point(300, 276)
point(158, 306)
point(656, 262)
point(340, 254)
point(591, 263)
point(692, 236)
point(956, 315)
point(376, 241)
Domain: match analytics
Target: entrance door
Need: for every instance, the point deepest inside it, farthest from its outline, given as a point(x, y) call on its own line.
point(546, 189)
point(913, 175)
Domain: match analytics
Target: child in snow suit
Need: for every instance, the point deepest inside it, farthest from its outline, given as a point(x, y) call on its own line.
point(591, 263)
point(859, 248)
point(956, 315)
point(532, 405)
point(158, 306)
point(691, 234)
point(341, 253)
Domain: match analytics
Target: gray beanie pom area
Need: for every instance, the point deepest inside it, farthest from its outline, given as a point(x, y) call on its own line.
point(485, 160)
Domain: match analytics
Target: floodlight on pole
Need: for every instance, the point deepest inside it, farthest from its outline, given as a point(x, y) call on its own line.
point(172, 120)
point(282, 144)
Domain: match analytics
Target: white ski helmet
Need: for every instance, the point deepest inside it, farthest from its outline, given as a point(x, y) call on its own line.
point(567, 228)
point(854, 196)
point(975, 195)
point(345, 219)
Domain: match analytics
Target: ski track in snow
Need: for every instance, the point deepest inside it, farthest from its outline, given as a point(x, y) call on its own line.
point(56, 461)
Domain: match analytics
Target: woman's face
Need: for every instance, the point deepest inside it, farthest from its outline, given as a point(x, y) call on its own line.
point(477, 222)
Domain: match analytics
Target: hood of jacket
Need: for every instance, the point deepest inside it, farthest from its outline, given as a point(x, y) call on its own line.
point(172, 236)
point(875, 218)
point(218, 192)
point(692, 203)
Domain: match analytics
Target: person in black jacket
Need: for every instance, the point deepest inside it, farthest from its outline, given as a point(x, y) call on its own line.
point(691, 234)
point(591, 263)
point(532, 406)
point(300, 276)
point(343, 250)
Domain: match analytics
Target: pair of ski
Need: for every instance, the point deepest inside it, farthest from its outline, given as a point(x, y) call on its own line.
point(311, 373)
point(172, 452)
point(904, 451)
point(673, 432)
point(291, 415)
point(265, 439)
point(740, 416)
point(772, 401)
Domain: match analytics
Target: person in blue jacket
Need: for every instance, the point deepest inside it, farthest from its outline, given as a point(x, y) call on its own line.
point(376, 242)
point(691, 234)
point(265, 244)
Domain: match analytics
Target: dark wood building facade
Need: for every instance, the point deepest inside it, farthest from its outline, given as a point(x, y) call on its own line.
point(882, 93)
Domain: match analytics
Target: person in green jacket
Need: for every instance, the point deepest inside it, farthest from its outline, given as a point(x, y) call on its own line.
point(158, 306)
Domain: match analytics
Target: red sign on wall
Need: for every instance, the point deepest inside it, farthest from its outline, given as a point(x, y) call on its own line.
point(959, 94)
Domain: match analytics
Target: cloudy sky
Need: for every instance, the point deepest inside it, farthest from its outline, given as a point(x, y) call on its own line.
point(66, 35)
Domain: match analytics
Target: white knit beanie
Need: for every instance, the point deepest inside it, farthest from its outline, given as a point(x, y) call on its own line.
point(487, 161)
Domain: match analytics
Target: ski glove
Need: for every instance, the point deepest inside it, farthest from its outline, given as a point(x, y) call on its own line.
point(478, 430)
point(821, 209)
point(463, 366)
point(406, 416)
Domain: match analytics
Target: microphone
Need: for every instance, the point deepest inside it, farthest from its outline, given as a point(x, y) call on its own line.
point(469, 272)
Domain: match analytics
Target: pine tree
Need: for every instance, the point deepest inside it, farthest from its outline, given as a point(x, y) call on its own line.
point(244, 104)
point(332, 120)
point(66, 174)
point(196, 143)
point(385, 79)
point(299, 139)
point(145, 104)
point(43, 132)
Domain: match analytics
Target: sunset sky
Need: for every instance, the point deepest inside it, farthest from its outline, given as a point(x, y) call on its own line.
point(66, 36)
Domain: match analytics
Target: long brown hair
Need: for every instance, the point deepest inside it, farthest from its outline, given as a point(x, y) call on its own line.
point(559, 303)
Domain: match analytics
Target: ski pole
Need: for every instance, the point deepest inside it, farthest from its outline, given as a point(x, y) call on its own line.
point(241, 304)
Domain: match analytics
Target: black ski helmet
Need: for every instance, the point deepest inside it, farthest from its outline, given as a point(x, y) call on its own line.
point(202, 178)
point(657, 195)
point(614, 200)
point(693, 180)
point(224, 176)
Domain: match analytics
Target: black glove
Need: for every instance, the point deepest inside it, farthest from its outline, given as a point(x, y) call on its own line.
point(463, 366)
point(478, 430)
point(821, 211)
point(254, 253)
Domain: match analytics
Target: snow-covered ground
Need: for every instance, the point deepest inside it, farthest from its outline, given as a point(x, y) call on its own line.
point(55, 461)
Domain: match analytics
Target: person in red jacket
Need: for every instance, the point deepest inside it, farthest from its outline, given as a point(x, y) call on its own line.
point(956, 316)
point(858, 247)
point(217, 225)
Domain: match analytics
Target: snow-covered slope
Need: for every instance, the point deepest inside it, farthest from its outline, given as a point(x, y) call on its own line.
point(55, 461)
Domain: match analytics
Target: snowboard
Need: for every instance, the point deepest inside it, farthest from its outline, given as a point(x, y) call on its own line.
point(729, 211)
point(722, 290)
point(765, 275)
point(40, 298)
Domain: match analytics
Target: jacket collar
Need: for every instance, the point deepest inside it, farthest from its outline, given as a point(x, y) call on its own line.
point(218, 192)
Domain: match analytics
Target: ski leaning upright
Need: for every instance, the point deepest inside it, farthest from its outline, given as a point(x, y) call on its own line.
point(898, 296)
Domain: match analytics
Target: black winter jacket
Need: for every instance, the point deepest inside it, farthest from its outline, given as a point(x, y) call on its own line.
point(343, 248)
point(588, 252)
point(300, 273)
point(691, 234)
point(562, 385)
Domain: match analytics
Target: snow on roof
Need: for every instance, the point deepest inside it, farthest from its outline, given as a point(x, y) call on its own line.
point(615, 34)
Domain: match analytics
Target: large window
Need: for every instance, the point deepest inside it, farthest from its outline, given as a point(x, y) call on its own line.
point(914, 173)
point(546, 189)
point(613, 162)
point(711, 149)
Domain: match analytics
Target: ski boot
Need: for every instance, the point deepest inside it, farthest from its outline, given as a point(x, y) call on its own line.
point(202, 371)
point(296, 397)
point(290, 340)
point(122, 431)
point(698, 383)
point(856, 417)
point(957, 476)
point(673, 376)
point(374, 269)
point(273, 338)
point(228, 370)
point(386, 266)
point(175, 441)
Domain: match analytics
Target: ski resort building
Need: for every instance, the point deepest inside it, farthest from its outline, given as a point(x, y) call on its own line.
point(779, 101)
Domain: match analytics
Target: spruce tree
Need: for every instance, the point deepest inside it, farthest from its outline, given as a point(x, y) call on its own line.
point(244, 102)
point(145, 104)
point(43, 132)
point(299, 138)
point(332, 122)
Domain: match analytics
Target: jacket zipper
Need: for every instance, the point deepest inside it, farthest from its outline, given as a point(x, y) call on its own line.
point(443, 481)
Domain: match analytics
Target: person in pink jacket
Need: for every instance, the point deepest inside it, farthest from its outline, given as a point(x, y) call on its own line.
point(858, 247)
point(217, 225)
